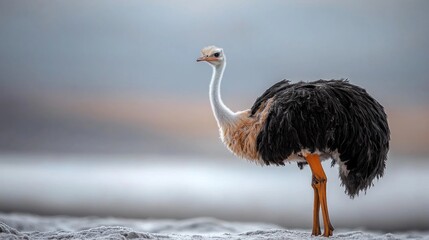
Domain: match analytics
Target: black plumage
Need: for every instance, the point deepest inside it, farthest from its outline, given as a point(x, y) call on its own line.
point(326, 116)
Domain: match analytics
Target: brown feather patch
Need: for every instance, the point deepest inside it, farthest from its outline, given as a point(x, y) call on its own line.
point(240, 136)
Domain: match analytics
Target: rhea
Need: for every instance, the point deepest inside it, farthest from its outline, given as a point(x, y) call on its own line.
point(307, 122)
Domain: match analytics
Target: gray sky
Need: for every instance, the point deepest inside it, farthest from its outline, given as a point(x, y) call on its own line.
point(149, 47)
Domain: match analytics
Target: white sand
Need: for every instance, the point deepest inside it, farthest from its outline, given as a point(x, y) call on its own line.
point(22, 226)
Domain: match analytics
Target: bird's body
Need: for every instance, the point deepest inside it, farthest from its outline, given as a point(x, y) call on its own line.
point(333, 118)
point(307, 122)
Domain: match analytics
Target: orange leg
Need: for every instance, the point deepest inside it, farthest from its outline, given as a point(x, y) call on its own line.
point(316, 209)
point(319, 185)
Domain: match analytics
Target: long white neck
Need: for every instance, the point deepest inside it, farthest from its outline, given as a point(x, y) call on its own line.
point(222, 113)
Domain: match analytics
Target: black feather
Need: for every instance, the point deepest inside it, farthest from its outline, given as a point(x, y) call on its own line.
point(326, 116)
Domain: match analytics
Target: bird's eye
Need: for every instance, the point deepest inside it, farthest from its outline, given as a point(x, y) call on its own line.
point(216, 54)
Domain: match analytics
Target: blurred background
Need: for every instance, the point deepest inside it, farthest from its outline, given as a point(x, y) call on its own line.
point(105, 112)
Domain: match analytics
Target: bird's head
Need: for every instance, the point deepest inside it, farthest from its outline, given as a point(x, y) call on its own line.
point(212, 55)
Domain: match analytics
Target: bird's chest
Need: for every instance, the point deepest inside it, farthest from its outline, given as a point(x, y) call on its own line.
point(240, 138)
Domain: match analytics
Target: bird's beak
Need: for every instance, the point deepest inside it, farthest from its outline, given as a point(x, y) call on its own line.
point(201, 59)
point(206, 59)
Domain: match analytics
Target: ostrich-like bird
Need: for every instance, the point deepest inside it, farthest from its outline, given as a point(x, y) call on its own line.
point(307, 122)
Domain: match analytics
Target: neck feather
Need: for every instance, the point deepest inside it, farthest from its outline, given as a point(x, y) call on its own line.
point(222, 113)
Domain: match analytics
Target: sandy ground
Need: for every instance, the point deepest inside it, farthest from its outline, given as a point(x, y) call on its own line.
point(23, 226)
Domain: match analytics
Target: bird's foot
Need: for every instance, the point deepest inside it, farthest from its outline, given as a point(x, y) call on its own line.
point(316, 231)
point(328, 231)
